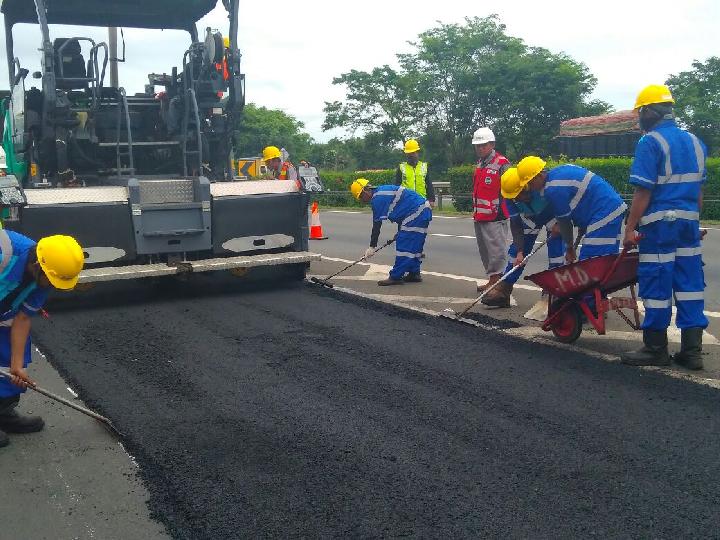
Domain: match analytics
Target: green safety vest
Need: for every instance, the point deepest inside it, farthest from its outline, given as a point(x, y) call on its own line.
point(414, 178)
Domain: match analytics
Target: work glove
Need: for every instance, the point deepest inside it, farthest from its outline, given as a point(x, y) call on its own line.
point(369, 252)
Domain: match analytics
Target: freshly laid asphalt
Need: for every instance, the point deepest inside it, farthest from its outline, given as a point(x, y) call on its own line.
point(300, 412)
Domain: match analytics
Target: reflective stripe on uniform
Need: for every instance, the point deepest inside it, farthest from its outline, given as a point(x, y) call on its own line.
point(394, 202)
point(607, 219)
point(680, 178)
point(670, 215)
point(665, 149)
point(414, 229)
point(420, 209)
point(657, 257)
point(648, 303)
point(408, 255)
point(7, 249)
point(581, 190)
point(556, 260)
point(642, 179)
point(699, 154)
point(598, 241)
point(688, 252)
point(689, 296)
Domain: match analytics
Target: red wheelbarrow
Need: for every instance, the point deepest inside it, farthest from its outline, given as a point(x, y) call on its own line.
point(571, 287)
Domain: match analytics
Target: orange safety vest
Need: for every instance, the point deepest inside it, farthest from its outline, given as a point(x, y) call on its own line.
point(283, 174)
point(487, 201)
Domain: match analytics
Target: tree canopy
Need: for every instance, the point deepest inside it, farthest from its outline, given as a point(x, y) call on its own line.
point(697, 100)
point(463, 76)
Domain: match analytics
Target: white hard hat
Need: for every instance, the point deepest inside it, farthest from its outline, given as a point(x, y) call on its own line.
point(483, 135)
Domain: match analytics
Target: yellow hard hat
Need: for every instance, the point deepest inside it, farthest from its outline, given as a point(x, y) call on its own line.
point(271, 152)
point(62, 259)
point(357, 186)
point(655, 93)
point(510, 184)
point(412, 146)
point(226, 42)
point(528, 168)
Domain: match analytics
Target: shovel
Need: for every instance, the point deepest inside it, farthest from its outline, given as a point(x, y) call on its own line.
point(326, 283)
point(103, 420)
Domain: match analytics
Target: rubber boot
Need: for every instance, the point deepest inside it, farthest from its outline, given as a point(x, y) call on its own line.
point(690, 355)
point(12, 421)
point(499, 296)
point(390, 281)
point(412, 277)
point(653, 353)
point(492, 281)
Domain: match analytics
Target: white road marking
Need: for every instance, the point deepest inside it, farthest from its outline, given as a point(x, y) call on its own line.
point(443, 235)
point(384, 269)
point(344, 212)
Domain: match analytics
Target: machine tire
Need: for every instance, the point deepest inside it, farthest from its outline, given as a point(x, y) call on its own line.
point(568, 326)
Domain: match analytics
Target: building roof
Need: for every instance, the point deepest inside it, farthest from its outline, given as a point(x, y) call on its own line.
point(614, 123)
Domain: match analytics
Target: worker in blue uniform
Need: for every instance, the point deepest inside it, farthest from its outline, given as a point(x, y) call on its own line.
point(27, 272)
point(411, 212)
point(668, 173)
point(529, 212)
point(578, 198)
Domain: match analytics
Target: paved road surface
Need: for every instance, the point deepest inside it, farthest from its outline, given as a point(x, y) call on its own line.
point(301, 412)
point(451, 247)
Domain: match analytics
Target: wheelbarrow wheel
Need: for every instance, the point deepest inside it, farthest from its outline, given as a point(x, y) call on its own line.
point(568, 326)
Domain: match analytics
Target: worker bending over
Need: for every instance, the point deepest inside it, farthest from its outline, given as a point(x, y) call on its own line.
point(578, 197)
point(280, 170)
point(413, 173)
point(412, 214)
point(27, 272)
point(528, 212)
point(668, 173)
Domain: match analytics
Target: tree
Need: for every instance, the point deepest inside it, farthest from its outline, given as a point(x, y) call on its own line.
point(461, 77)
point(259, 127)
point(381, 101)
point(697, 100)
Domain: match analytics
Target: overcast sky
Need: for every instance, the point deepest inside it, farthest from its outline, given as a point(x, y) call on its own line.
point(292, 50)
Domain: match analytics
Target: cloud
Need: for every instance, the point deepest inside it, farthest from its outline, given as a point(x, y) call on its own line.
point(292, 50)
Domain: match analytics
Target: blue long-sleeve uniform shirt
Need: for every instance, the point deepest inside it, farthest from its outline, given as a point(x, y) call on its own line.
point(393, 203)
point(670, 162)
point(580, 195)
point(32, 298)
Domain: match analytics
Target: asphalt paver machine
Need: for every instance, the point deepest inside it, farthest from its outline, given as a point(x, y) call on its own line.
point(143, 180)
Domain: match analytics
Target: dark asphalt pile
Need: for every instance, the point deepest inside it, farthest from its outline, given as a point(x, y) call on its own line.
point(302, 412)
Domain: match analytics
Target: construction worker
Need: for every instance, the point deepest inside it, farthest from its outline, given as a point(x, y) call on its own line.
point(27, 272)
point(413, 173)
point(668, 172)
point(490, 214)
point(528, 212)
point(280, 170)
point(411, 212)
point(581, 198)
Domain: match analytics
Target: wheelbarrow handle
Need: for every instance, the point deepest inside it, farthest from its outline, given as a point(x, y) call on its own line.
point(616, 262)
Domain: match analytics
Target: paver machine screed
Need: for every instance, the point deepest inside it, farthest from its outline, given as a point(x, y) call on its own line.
point(143, 180)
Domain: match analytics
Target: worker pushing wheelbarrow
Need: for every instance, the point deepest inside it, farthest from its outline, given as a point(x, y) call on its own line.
point(582, 289)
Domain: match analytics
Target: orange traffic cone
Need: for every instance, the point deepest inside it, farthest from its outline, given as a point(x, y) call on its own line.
point(316, 232)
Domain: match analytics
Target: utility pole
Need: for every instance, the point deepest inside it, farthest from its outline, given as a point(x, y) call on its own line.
point(113, 42)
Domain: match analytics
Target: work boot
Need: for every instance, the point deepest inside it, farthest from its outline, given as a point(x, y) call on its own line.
point(412, 277)
point(653, 353)
point(690, 355)
point(390, 281)
point(499, 296)
point(492, 281)
point(12, 421)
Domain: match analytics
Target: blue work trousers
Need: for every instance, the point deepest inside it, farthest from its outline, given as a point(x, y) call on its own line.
point(8, 389)
point(410, 242)
point(671, 265)
point(555, 249)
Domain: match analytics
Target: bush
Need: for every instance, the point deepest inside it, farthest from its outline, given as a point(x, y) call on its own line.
point(337, 185)
point(615, 170)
